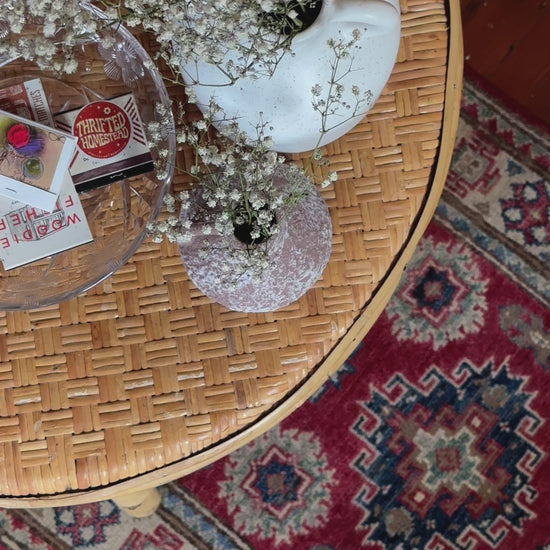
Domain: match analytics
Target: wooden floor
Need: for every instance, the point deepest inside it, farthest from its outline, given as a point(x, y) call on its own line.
point(508, 42)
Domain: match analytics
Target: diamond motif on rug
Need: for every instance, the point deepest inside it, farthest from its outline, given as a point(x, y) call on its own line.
point(86, 524)
point(473, 167)
point(448, 461)
point(280, 484)
point(527, 213)
point(441, 296)
point(275, 490)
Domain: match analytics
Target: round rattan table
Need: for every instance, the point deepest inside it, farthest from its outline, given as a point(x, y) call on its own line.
point(143, 379)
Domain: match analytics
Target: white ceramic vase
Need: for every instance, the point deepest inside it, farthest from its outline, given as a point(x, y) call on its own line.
point(285, 99)
point(297, 255)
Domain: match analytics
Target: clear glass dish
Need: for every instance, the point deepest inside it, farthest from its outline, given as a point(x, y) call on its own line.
point(118, 213)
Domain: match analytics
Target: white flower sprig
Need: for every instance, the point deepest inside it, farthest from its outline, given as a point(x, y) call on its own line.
point(328, 103)
point(46, 31)
point(241, 38)
point(235, 175)
point(236, 194)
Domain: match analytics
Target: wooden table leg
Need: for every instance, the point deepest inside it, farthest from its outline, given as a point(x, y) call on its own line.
point(139, 504)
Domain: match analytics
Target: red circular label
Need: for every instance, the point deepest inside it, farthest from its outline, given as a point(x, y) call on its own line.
point(18, 135)
point(103, 129)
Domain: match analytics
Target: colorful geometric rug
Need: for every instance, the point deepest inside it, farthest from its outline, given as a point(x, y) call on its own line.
point(434, 435)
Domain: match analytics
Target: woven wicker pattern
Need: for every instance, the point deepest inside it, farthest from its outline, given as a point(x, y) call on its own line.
point(144, 370)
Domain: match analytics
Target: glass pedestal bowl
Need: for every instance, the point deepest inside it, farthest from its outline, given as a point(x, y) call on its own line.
point(117, 213)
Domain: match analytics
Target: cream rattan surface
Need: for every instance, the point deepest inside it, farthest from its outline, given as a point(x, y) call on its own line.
point(143, 378)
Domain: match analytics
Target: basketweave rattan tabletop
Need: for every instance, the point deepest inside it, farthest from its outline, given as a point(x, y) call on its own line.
point(144, 379)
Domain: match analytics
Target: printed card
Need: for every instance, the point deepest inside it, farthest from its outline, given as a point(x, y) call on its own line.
point(111, 142)
point(33, 161)
point(28, 233)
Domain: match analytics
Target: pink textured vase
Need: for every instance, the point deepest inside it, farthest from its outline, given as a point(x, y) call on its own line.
point(296, 257)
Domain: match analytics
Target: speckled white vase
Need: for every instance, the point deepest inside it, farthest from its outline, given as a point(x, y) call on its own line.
point(285, 98)
point(297, 256)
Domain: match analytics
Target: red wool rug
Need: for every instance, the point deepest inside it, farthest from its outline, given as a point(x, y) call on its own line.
point(434, 435)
